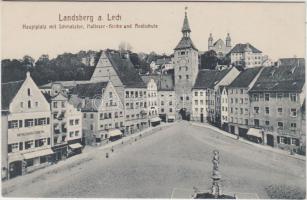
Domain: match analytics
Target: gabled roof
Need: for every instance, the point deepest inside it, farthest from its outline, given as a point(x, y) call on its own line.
point(8, 92)
point(240, 48)
point(89, 90)
point(125, 70)
point(164, 82)
point(65, 84)
point(185, 43)
point(284, 78)
point(209, 78)
point(245, 77)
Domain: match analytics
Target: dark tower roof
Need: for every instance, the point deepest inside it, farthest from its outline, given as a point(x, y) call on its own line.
point(186, 26)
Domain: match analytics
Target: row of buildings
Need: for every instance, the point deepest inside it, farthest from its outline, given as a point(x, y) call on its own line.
point(264, 104)
point(42, 125)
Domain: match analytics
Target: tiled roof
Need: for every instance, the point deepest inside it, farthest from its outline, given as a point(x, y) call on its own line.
point(219, 40)
point(161, 61)
point(245, 77)
point(283, 78)
point(240, 48)
point(90, 90)
point(209, 78)
point(292, 61)
point(65, 84)
point(125, 70)
point(185, 43)
point(164, 82)
point(8, 92)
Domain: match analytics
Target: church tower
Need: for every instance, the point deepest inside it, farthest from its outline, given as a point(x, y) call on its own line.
point(228, 43)
point(186, 70)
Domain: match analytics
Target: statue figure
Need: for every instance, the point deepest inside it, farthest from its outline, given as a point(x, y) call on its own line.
point(216, 189)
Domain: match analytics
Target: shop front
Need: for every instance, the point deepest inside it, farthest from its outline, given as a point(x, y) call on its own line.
point(60, 152)
point(254, 135)
point(155, 121)
point(115, 134)
point(38, 159)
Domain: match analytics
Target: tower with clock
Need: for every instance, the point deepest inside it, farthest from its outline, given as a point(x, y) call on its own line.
point(185, 70)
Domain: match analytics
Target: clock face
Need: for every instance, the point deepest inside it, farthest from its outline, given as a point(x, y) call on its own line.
point(182, 62)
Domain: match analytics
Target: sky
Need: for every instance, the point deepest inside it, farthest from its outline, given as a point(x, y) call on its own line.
point(277, 29)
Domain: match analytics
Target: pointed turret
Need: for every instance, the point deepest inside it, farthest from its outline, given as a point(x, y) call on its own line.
point(210, 42)
point(228, 40)
point(186, 27)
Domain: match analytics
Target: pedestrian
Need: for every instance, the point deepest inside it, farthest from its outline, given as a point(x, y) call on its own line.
point(107, 155)
point(112, 149)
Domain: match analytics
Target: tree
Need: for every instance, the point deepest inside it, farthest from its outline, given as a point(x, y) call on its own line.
point(209, 60)
point(28, 61)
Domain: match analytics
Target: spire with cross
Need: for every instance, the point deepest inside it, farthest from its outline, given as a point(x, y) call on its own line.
point(186, 27)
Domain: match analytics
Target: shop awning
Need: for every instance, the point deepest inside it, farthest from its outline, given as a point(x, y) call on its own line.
point(15, 157)
point(171, 117)
point(115, 132)
point(155, 119)
point(39, 153)
point(75, 146)
point(254, 132)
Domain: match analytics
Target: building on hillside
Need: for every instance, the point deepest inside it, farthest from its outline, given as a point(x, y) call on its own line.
point(54, 88)
point(220, 47)
point(185, 71)
point(267, 62)
point(204, 100)
point(245, 55)
point(117, 67)
point(239, 101)
point(66, 124)
point(277, 100)
point(103, 111)
point(162, 64)
point(28, 127)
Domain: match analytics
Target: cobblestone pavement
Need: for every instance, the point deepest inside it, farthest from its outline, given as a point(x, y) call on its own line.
point(177, 157)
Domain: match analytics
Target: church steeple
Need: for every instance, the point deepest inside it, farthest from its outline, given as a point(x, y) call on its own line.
point(186, 27)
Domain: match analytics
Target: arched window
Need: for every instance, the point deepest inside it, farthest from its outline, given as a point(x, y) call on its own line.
point(29, 104)
point(29, 92)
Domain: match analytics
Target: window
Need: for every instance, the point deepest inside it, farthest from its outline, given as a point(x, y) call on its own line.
point(92, 127)
point(41, 121)
point(295, 141)
point(110, 94)
point(293, 112)
point(36, 104)
point(196, 102)
point(71, 133)
point(170, 110)
point(29, 122)
point(241, 110)
point(241, 101)
point(181, 98)
point(127, 94)
point(77, 122)
point(267, 110)
point(13, 147)
point(29, 104)
point(110, 115)
point(256, 97)
point(256, 122)
point(55, 104)
point(267, 123)
point(13, 124)
point(179, 76)
point(293, 125)
point(21, 104)
point(187, 98)
point(279, 96)
point(280, 125)
point(182, 52)
point(246, 121)
point(29, 144)
point(187, 76)
point(162, 109)
point(92, 115)
point(279, 110)
point(77, 133)
point(162, 103)
point(29, 92)
point(267, 97)
point(201, 94)
point(71, 122)
point(241, 91)
point(256, 110)
point(170, 103)
point(196, 94)
point(63, 104)
point(293, 97)
point(186, 68)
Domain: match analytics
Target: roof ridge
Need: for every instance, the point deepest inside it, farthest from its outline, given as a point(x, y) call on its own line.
point(14, 81)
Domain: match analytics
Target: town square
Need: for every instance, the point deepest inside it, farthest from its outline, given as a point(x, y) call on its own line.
point(146, 111)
